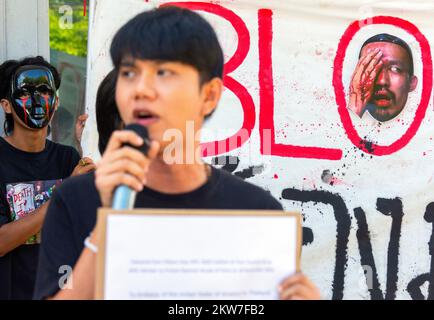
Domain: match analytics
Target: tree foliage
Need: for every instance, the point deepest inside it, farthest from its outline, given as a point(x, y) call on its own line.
point(71, 40)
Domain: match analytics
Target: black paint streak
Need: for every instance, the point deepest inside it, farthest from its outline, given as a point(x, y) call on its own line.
point(229, 163)
point(429, 217)
point(388, 207)
point(414, 285)
point(342, 230)
point(249, 172)
point(393, 208)
point(368, 145)
point(366, 256)
point(307, 236)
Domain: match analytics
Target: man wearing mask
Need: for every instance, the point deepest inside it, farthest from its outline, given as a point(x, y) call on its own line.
point(28, 96)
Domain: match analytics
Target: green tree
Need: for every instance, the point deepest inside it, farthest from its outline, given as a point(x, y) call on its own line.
point(74, 40)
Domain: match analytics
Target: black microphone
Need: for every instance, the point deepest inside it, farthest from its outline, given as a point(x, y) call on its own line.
point(124, 197)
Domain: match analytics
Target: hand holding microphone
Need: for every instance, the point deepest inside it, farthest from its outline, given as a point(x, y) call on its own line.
point(125, 162)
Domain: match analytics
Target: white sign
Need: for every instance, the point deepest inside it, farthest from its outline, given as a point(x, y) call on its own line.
point(169, 254)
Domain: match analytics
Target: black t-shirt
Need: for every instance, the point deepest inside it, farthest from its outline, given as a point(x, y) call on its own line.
point(71, 217)
point(27, 180)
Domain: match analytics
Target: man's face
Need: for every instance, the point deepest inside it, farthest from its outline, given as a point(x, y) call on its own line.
point(393, 81)
point(33, 96)
point(160, 96)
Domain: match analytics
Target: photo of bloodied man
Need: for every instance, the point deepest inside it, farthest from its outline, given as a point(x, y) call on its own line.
point(25, 197)
point(383, 78)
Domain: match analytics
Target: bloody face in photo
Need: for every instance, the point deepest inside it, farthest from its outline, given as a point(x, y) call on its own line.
point(393, 81)
point(34, 96)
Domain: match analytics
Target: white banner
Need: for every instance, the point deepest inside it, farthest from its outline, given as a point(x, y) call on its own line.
point(363, 186)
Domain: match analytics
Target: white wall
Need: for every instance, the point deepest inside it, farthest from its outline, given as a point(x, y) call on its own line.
point(24, 31)
point(24, 28)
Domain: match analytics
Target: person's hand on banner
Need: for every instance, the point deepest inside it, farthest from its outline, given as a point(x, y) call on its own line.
point(79, 126)
point(85, 165)
point(80, 123)
point(363, 81)
point(298, 287)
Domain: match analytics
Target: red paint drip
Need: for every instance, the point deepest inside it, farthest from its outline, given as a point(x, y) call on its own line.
point(47, 103)
point(24, 102)
point(335, 182)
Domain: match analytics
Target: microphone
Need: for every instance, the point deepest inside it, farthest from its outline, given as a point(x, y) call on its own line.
point(124, 197)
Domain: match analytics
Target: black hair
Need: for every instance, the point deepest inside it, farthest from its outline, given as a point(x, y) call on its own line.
point(8, 69)
point(170, 34)
point(385, 37)
point(108, 118)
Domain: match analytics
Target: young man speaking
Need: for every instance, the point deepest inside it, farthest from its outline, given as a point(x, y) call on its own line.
point(169, 67)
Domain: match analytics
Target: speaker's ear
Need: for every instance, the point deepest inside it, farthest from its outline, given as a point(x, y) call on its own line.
point(212, 91)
